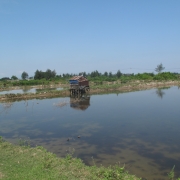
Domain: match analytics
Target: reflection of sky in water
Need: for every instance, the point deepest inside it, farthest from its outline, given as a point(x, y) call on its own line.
point(32, 90)
point(140, 129)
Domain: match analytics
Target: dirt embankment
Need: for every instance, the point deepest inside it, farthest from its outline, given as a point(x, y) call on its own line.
point(137, 85)
point(110, 87)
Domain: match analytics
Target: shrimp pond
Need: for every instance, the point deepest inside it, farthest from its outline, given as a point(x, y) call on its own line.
point(139, 130)
point(28, 90)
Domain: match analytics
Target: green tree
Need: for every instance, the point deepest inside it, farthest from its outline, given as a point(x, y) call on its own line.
point(24, 75)
point(4, 78)
point(95, 74)
point(41, 75)
point(37, 74)
point(106, 74)
point(14, 78)
point(50, 74)
point(159, 68)
point(110, 74)
point(118, 74)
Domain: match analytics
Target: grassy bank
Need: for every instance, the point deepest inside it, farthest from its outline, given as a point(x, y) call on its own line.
point(27, 163)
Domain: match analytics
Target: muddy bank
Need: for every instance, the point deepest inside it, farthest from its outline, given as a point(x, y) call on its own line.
point(128, 87)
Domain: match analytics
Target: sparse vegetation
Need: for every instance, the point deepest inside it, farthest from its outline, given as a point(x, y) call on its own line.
point(171, 174)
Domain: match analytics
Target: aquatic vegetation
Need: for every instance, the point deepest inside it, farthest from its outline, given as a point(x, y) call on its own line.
point(171, 174)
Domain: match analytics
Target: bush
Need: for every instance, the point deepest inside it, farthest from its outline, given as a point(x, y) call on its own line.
point(165, 76)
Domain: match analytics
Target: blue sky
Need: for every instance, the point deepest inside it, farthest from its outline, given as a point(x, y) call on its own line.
point(72, 36)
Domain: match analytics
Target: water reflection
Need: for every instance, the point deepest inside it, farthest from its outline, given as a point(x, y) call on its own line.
point(80, 102)
point(160, 93)
point(29, 90)
point(6, 107)
point(26, 90)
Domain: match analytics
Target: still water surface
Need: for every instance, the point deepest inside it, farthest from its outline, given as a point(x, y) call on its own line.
point(29, 90)
point(140, 129)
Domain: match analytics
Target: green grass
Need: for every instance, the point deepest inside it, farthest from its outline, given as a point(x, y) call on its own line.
point(27, 163)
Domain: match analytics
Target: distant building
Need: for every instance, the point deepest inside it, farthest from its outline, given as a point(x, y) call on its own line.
point(79, 84)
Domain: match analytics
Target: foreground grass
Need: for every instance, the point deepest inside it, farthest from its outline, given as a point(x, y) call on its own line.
point(23, 162)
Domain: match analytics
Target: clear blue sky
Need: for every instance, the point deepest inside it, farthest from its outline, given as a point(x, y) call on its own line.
point(72, 36)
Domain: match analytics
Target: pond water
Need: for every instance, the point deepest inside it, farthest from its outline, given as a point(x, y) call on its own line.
point(28, 90)
point(139, 129)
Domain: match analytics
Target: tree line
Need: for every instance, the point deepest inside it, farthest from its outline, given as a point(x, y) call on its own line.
point(96, 75)
point(49, 74)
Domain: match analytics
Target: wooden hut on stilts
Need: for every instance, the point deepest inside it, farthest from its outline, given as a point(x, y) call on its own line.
point(79, 85)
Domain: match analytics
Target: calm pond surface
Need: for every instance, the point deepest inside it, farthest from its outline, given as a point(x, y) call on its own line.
point(28, 90)
point(139, 129)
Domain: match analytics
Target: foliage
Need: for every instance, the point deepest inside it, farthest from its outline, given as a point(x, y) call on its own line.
point(4, 79)
point(95, 74)
point(30, 82)
point(50, 74)
point(118, 74)
point(171, 174)
point(144, 76)
point(14, 78)
point(165, 76)
point(106, 74)
point(159, 68)
point(45, 75)
point(24, 75)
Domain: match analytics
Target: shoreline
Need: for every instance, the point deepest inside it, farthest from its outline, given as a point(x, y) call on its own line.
point(26, 162)
point(105, 88)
